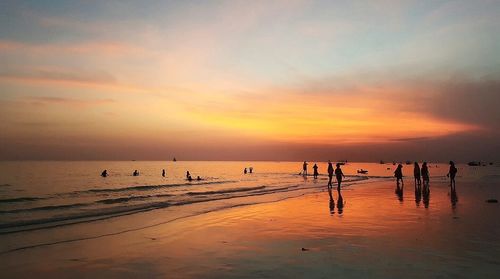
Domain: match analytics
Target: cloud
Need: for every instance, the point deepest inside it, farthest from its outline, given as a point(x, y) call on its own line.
point(66, 101)
point(48, 74)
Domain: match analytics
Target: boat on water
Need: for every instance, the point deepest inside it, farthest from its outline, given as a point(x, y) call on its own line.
point(474, 164)
point(362, 171)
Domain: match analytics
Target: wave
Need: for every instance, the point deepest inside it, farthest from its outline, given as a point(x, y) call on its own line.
point(226, 191)
point(150, 187)
point(21, 199)
point(41, 208)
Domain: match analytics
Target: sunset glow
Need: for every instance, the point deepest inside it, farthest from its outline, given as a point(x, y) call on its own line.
point(298, 72)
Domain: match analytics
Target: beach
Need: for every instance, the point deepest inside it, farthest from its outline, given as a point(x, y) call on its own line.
point(374, 234)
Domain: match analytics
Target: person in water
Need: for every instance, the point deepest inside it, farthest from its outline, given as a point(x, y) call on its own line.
point(189, 178)
point(163, 173)
point(250, 169)
point(304, 168)
point(416, 174)
point(245, 171)
point(330, 174)
point(104, 173)
point(188, 175)
point(315, 168)
point(339, 175)
point(452, 173)
point(135, 173)
point(398, 173)
point(198, 178)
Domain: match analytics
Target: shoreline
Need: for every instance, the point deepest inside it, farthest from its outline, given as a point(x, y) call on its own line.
point(266, 239)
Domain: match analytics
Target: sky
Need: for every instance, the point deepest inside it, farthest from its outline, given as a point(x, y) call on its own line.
point(250, 80)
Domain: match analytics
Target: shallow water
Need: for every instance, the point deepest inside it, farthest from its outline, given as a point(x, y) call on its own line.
point(213, 223)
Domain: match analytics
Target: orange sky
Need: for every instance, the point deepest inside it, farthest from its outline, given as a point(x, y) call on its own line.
point(241, 75)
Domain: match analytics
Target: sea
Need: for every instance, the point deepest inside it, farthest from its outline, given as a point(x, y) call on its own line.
point(42, 194)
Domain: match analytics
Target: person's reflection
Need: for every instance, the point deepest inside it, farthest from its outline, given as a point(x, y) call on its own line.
point(332, 206)
point(426, 194)
point(399, 192)
point(340, 204)
point(418, 194)
point(453, 197)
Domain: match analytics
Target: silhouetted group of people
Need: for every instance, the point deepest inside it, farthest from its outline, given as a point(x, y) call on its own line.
point(421, 179)
point(250, 170)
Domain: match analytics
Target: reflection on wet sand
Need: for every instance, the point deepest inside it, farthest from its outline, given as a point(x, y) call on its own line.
point(453, 197)
point(418, 194)
point(399, 192)
point(340, 202)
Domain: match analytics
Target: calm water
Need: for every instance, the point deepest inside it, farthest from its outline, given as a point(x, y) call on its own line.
point(44, 194)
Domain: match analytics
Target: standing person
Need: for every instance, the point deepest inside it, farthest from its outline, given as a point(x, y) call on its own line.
point(136, 173)
point(163, 173)
point(315, 168)
point(425, 176)
point(188, 175)
point(330, 174)
point(416, 174)
point(245, 171)
point(452, 173)
point(304, 168)
point(339, 175)
point(104, 173)
point(250, 169)
point(398, 173)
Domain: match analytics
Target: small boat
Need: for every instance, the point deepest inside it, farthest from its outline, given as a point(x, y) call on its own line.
point(408, 162)
point(382, 162)
point(175, 160)
point(362, 171)
point(474, 164)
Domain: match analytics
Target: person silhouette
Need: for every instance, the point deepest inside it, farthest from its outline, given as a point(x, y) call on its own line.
point(425, 176)
point(250, 169)
point(188, 175)
point(452, 173)
point(104, 173)
point(189, 178)
point(245, 171)
point(163, 173)
point(416, 175)
point(315, 171)
point(398, 173)
point(339, 175)
point(198, 178)
point(330, 174)
point(135, 173)
point(304, 168)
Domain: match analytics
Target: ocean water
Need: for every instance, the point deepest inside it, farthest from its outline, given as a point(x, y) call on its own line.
point(36, 195)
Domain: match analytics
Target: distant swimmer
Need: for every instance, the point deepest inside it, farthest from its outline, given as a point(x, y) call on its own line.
point(198, 178)
point(452, 173)
point(416, 174)
point(315, 172)
point(330, 174)
point(189, 178)
point(104, 173)
point(398, 173)
point(304, 168)
point(245, 171)
point(135, 173)
point(188, 175)
point(339, 175)
point(250, 169)
point(163, 173)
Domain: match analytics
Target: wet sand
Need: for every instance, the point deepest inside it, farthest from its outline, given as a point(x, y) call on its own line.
point(376, 234)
